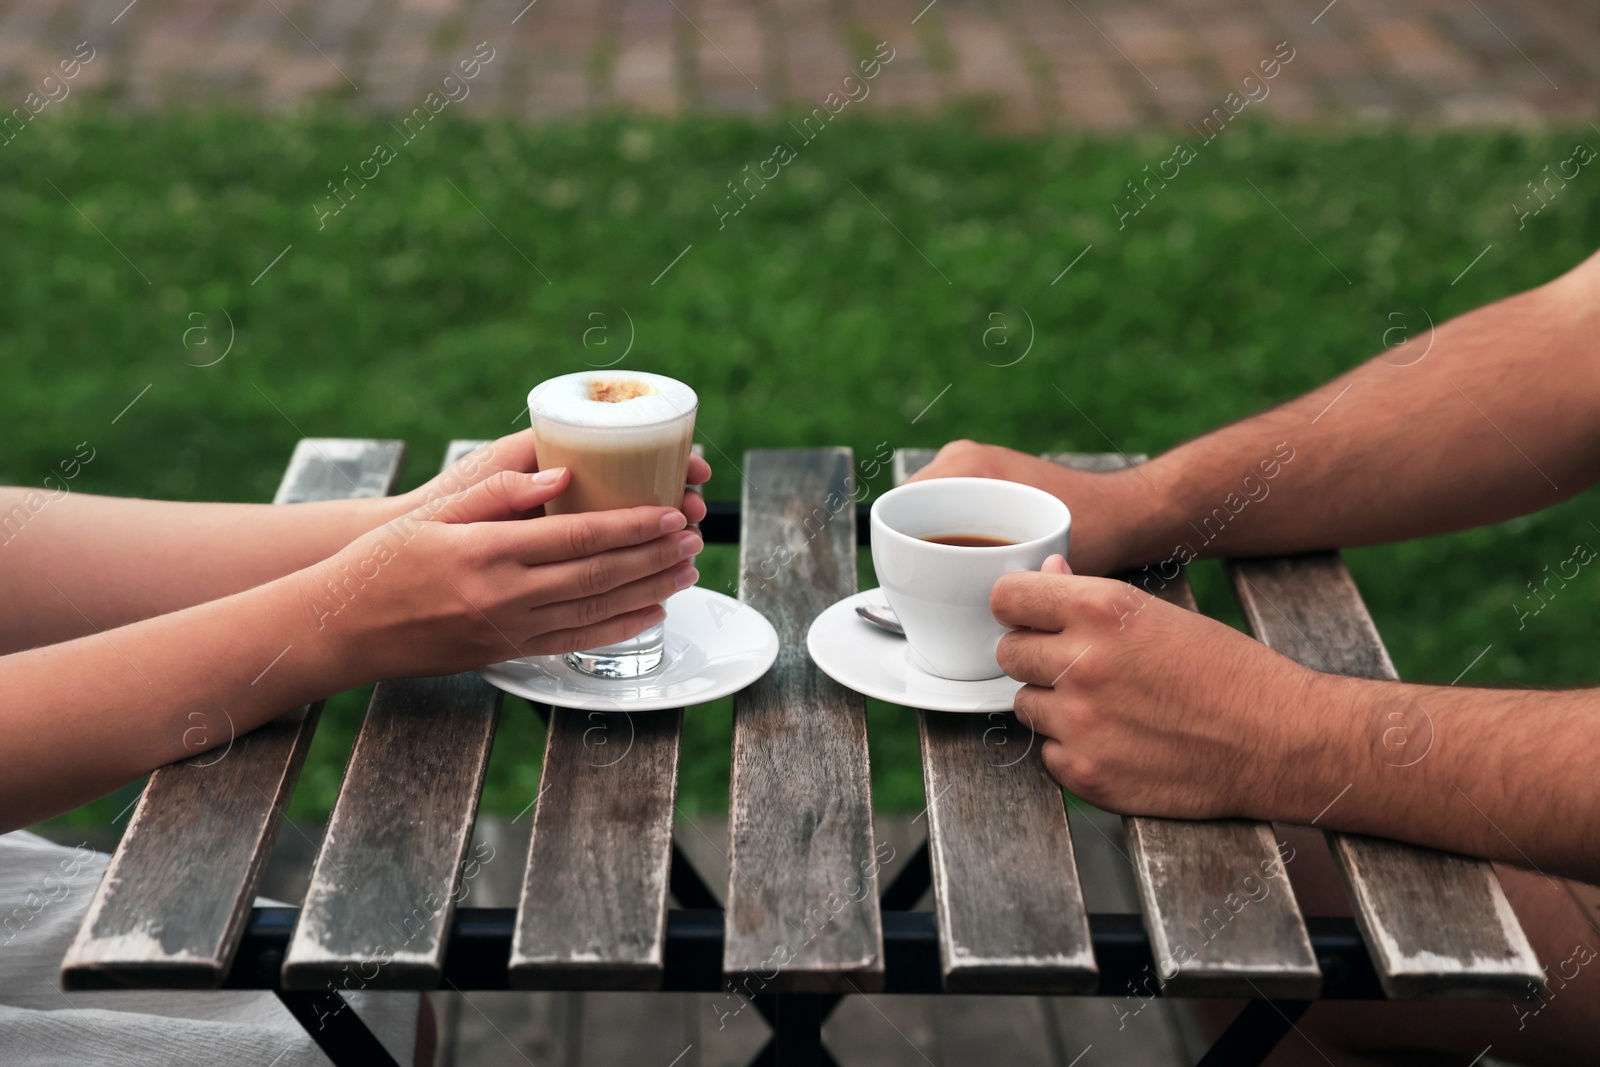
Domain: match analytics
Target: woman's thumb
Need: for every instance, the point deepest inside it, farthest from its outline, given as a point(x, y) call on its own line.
point(504, 495)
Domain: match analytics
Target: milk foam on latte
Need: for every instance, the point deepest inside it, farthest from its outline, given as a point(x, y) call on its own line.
point(612, 399)
point(624, 435)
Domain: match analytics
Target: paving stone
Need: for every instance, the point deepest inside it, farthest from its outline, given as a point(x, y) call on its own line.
point(298, 79)
point(816, 62)
point(728, 52)
point(989, 67)
point(644, 74)
point(1101, 64)
point(1419, 54)
point(556, 93)
point(1147, 35)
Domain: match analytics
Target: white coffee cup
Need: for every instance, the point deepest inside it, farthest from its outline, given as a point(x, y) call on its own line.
point(941, 592)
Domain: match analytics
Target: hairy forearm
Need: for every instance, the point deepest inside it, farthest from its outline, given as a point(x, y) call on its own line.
point(1504, 774)
point(1500, 417)
point(89, 715)
point(76, 563)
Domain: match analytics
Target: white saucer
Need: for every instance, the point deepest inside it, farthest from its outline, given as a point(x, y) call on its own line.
point(875, 663)
point(716, 645)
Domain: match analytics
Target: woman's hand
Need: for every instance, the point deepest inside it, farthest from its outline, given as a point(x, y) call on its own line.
point(467, 579)
point(1113, 513)
point(515, 453)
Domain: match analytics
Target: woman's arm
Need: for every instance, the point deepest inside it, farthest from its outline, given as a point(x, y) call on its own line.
point(81, 563)
point(454, 585)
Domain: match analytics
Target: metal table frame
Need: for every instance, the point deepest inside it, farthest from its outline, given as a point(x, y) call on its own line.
point(480, 947)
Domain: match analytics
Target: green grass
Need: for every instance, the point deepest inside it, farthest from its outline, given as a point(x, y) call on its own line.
point(833, 310)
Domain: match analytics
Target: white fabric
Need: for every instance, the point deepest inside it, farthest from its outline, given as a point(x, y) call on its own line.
point(44, 892)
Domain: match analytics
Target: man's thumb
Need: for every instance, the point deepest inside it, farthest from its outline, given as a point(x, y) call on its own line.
point(504, 495)
point(1056, 564)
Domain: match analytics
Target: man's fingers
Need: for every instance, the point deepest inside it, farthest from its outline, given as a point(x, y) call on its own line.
point(699, 470)
point(613, 630)
point(593, 610)
point(1031, 600)
point(956, 459)
point(1031, 706)
point(1054, 602)
point(553, 538)
point(1038, 658)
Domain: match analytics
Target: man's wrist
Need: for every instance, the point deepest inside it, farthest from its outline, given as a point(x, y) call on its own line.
point(1334, 736)
point(1147, 531)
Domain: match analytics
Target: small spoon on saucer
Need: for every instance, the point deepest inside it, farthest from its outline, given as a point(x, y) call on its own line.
point(883, 617)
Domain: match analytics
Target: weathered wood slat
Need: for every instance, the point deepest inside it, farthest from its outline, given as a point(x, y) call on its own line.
point(1222, 916)
point(173, 904)
point(593, 913)
point(1005, 882)
point(1437, 924)
point(1010, 906)
point(385, 882)
point(803, 889)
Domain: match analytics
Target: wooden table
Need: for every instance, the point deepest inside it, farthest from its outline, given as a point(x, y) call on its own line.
point(806, 920)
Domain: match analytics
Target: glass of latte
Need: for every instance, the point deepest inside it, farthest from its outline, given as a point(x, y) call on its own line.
point(625, 436)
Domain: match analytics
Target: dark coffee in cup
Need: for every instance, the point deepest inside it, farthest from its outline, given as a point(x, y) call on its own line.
point(968, 541)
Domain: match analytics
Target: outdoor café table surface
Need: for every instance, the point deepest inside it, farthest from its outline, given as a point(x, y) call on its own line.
point(803, 909)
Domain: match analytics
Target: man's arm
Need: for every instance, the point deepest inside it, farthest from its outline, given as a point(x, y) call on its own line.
point(1507, 774)
point(1145, 708)
point(1494, 414)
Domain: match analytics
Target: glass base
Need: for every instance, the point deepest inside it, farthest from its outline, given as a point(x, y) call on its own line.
point(633, 658)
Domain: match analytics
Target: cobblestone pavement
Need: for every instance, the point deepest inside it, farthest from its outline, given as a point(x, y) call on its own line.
point(1099, 64)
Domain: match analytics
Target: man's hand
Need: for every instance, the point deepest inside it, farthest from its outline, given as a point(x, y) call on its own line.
point(1146, 708)
point(1111, 511)
point(515, 453)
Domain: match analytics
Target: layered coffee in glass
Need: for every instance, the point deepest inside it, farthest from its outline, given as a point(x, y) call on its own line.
point(625, 437)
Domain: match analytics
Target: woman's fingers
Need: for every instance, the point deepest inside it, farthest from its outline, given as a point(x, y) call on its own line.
point(576, 579)
point(505, 495)
point(592, 610)
point(515, 451)
point(694, 503)
point(613, 630)
point(554, 538)
point(694, 506)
